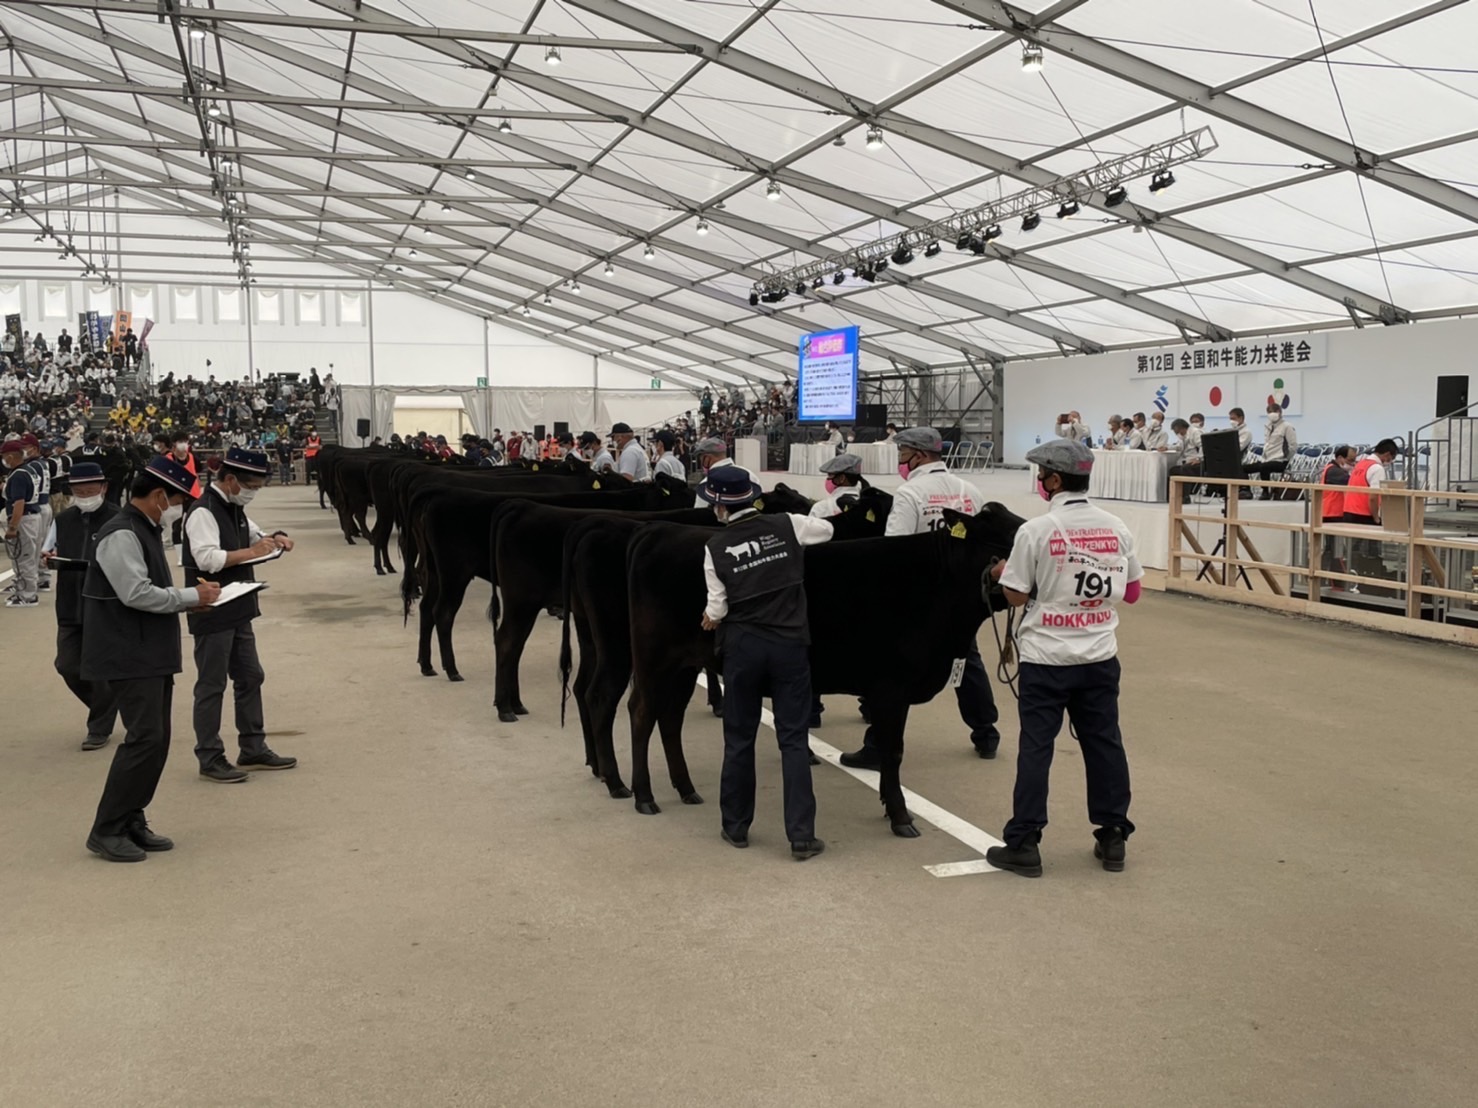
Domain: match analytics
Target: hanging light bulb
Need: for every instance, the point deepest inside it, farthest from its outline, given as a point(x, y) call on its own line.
point(772, 190)
point(548, 299)
point(413, 251)
point(197, 32)
point(610, 269)
point(470, 174)
point(1031, 58)
point(649, 253)
point(446, 207)
point(504, 127)
point(551, 55)
point(214, 110)
point(575, 287)
point(874, 137)
point(526, 310)
point(702, 226)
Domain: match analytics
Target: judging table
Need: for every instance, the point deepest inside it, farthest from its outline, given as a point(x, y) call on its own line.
point(1130, 475)
point(877, 457)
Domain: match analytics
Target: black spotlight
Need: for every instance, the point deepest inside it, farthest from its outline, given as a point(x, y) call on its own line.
point(992, 232)
point(1068, 209)
point(977, 245)
point(963, 242)
point(1162, 181)
point(866, 274)
point(932, 250)
point(1031, 221)
point(817, 283)
point(800, 288)
point(1115, 196)
point(838, 277)
point(754, 299)
point(880, 265)
point(903, 255)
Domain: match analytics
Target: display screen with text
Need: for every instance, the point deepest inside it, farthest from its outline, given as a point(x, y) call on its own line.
point(826, 387)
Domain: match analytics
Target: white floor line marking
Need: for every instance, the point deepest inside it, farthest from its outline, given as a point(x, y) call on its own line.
point(951, 824)
point(7, 575)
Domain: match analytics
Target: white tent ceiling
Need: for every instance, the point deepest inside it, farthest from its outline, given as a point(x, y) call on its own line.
point(1344, 186)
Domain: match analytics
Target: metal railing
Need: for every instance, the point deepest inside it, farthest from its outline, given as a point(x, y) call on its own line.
point(1442, 454)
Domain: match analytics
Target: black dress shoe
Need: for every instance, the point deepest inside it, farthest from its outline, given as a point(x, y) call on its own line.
point(1025, 860)
point(861, 759)
point(139, 832)
point(808, 849)
point(1109, 849)
point(265, 759)
point(218, 769)
point(95, 742)
point(741, 841)
point(987, 749)
point(115, 848)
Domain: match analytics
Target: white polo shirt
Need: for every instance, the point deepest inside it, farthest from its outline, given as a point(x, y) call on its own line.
point(919, 503)
point(1079, 559)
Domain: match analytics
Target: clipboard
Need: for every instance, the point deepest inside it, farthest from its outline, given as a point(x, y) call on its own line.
point(236, 590)
point(272, 557)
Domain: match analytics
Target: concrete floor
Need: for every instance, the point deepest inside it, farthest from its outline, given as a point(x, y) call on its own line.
point(436, 909)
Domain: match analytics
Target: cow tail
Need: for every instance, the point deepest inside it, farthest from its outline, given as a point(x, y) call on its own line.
point(566, 658)
point(494, 611)
point(407, 585)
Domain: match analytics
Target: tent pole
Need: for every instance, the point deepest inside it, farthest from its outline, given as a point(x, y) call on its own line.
point(369, 296)
point(487, 387)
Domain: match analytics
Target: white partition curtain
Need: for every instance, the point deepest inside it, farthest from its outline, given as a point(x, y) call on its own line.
point(523, 409)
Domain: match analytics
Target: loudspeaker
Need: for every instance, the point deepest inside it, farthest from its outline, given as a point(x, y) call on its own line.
point(538, 430)
point(362, 428)
point(1221, 455)
point(1452, 395)
point(872, 415)
point(561, 427)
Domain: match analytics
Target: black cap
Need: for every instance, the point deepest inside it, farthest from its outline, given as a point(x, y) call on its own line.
point(589, 438)
point(621, 429)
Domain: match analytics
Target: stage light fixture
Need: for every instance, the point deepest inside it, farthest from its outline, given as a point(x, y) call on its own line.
point(1161, 181)
point(1031, 58)
point(874, 137)
point(992, 232)
point(932, 250)
point(754, 299)
point(470, 173)
point(1115, 196)
point(838, 277)
point(903, 255)
point(817, 283)
point(800, 288)
point(963, 242)
point(977, 245)
point(702, 226)
point(551, 55)
point(504, 127)
point(649, 253)
point(772, 190)
point(1031, 221)
point(1067, 209)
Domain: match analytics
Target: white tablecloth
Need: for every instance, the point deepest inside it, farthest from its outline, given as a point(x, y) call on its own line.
point(808, 458)
point(877, 457)
point(1130, 475)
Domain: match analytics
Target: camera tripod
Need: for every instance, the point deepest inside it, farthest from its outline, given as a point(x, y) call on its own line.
point(1221, 548)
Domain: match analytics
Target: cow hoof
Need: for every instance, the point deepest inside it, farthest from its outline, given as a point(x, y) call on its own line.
point(718, 710)
point(692, 798)
point(621, 792)
point(648, 807)
point(520, 710)
point(454, 676)
point(905, 830)
point(349, 540)
point(506, 717)
point(815, 761)
point(427, 671)
point(379, 572)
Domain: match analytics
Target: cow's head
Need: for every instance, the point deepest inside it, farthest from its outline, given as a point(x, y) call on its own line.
point(864, 516)
point(672, 492)
point(783, 498)
point(985, 537)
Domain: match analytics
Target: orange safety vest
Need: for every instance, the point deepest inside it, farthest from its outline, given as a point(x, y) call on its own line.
point(1358, 503)
point(189, 464)
point(1334, 502)
point(310, 448)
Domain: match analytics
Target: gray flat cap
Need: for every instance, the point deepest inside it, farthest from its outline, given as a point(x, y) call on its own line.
point(920, 438)
point(1062, 456)
point(842, 463)
point(711, 446)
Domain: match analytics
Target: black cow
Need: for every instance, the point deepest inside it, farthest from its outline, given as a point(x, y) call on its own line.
point(526, 538)
point(933, 581)
point(595, 576)
point(450, 528)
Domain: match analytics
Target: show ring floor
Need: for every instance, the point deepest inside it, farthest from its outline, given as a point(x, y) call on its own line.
point(437, 909)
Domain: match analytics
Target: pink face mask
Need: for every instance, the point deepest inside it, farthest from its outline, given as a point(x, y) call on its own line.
point(831, 486)
point(903, 471)
point(1042, 491)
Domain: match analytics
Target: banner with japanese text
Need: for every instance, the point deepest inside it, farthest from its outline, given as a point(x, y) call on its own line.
point(1293, 352)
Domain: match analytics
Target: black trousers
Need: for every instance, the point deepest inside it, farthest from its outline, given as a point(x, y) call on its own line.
point(1090, 696)
point(977, 705)
point(97, 696)
point(231, 653)
point(1261, 471)
point(1190, 469)
point(144, 704)
point(754, 665)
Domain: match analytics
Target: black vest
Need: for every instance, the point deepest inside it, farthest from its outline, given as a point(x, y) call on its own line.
point(120, 643)
point(76, 537)
point(235, 535)
point(761, 564)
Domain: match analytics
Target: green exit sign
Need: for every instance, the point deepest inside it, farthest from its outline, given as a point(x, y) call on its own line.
point(482, 382)
point(656, 382)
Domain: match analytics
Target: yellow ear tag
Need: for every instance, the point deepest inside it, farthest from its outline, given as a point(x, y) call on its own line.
point(595, 484)
point(536, 467)
point(958, 530)
point(666, 492)
point(759, 505)
point(871, 516)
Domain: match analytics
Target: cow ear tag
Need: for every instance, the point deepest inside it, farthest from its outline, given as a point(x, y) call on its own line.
point(958, 530)
point(759, 505)
point(536, 467)
point(595, 484)
point(871, 516)
point(666, 492)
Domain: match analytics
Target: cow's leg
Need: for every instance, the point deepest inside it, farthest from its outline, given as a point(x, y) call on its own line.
point(426, 622)
point(580, 689)
point(643, 719)
point(888, 722)
point(715, 690)
point(346, 524)
point(448, 601)
point(508, 642)
point(675, 699)
point(361, 524)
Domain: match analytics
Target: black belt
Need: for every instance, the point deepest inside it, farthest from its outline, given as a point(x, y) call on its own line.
point(33, 511)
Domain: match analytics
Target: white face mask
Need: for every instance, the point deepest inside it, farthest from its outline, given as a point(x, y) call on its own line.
point(1274, 417)
point(172, 513)
point(244, 497)
point(89, 503)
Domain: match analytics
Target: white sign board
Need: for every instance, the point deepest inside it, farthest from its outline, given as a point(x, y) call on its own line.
point(1245, 356)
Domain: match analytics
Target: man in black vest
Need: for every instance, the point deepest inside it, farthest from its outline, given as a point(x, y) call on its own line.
point(131, 639)
point(220, 544)
point(756, 589)
point(74, 536)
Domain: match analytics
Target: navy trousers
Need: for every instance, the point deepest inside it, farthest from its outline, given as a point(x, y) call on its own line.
point(754, 665)
point(144, 705)
point(1090, 696)
point(977, 706)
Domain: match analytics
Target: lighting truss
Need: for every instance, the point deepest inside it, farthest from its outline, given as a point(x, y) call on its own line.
point(962, 226)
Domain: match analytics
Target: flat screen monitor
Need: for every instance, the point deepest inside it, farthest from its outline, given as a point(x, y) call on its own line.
point(826, 382)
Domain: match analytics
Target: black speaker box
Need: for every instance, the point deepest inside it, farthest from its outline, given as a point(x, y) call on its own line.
point(872, 415)
point(362, 428)
point(561, 428)
point(1452, 394)
point(538, 430)
point(1220, 454)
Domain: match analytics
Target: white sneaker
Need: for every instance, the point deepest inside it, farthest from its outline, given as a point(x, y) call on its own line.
point(19, 602)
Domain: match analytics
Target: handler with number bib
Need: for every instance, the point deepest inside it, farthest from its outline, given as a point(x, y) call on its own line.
point(1070, 568)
